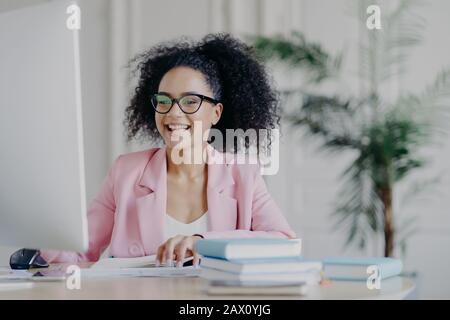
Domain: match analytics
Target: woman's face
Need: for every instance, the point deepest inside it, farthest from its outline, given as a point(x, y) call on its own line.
point(176, 83)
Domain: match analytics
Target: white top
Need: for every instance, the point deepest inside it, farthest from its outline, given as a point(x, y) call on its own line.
point(175, 227)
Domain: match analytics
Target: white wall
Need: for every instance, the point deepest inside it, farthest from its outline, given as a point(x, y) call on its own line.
point(113, 31)
point(429, 249)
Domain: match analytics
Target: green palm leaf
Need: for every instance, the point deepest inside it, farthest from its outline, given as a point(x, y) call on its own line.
point(295, 51)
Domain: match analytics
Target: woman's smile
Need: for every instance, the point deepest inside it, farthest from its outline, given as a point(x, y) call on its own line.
point(173, 127)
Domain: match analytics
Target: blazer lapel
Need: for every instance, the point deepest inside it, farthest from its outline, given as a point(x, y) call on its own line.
point(222, 208)
point(151, 207)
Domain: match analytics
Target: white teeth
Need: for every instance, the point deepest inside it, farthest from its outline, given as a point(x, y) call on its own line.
point(177, 126)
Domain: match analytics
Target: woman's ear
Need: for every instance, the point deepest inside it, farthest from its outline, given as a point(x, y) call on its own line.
point(217, 113)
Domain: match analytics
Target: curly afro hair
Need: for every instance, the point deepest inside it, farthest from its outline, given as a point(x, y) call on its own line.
point(233, 72)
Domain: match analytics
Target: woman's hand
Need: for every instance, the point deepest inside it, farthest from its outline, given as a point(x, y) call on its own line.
point(176, 249)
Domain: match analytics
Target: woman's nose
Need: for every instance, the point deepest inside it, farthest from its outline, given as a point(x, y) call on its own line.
point(176, 110)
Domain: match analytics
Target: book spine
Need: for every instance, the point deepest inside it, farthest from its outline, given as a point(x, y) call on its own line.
point(211, 249)
point(309, 277)
point(391, 269)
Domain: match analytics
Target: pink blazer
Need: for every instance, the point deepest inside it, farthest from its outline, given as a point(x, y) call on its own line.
point(129, 212)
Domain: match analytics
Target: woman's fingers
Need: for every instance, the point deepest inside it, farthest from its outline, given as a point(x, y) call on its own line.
point(169, 250)
point(160, 257)
point(180, 252)
point(177, 248)
point(163, 255)
point(196, 261)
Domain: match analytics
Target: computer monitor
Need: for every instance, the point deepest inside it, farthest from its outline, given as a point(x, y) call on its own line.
point(42, 182)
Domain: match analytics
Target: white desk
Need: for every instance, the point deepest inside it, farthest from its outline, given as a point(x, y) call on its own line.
point(192, 289)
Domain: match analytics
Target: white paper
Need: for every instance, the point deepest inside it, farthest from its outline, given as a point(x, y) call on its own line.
point(141, 272)
point(15, 274)
point(123, 263)
point(116, 263)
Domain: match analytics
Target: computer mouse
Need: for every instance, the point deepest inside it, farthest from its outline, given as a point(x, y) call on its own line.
point(27, 259)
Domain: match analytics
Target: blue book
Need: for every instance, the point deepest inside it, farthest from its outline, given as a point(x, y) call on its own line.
point(262, 265)
point(311, 277)
point(356, 268)
point(248, 248)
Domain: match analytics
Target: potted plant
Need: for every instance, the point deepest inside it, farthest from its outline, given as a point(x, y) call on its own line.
point(385, 136)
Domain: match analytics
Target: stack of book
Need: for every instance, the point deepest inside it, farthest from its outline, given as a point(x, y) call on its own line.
point(361, 268)
point(256, 266)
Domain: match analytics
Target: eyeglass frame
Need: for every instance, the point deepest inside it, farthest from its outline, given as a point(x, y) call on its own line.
point(175, 100)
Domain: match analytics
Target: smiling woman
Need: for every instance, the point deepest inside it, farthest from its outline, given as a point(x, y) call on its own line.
point(152, 204)
point(192, 106)
point(224, 66)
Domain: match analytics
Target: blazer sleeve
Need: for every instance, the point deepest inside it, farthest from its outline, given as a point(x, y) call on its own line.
point(267, 218)
point(100, 217)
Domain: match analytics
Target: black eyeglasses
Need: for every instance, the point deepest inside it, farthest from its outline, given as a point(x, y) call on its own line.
point(189, 103)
